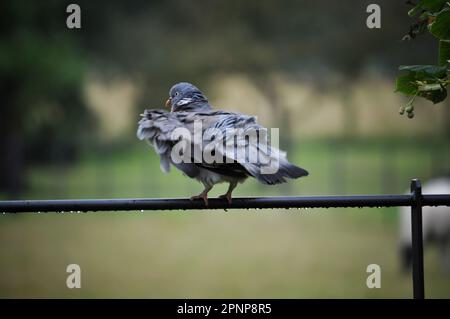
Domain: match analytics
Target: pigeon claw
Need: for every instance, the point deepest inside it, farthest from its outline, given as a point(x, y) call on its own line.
point(227, 197)
point(201, 196)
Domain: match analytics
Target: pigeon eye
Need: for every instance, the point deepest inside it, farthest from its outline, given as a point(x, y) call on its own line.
point(176, 93)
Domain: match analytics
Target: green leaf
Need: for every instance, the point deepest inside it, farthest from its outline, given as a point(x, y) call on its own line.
point(423, 80)
point(444, 52)
point(421, 71)
point(440, 28)
point(405, 84)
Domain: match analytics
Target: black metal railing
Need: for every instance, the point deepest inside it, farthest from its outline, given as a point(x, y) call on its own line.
point(416, 200)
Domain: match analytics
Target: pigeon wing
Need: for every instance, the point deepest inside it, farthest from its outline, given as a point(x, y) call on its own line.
point(157, 127)
point(250, 152)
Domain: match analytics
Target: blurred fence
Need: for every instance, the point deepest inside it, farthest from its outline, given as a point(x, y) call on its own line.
point(335, 167)
point(391, 164)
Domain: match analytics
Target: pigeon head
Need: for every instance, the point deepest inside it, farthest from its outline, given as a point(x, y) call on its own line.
point(186, 97)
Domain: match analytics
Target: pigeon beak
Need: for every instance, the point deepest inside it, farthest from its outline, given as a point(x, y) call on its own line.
point(169, 102)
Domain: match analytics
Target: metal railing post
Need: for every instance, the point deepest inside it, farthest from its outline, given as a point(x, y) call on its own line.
point(417, 240)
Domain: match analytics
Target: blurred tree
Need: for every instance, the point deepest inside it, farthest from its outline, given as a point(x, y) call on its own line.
point(41, 115)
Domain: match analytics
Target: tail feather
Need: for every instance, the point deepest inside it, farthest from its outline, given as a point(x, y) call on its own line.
point(286, 170)
point(295, 171)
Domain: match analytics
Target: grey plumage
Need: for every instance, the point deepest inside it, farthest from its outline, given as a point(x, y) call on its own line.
point(189, 106)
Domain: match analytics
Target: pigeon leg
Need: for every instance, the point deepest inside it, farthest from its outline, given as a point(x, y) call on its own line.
point(227, 195)
point(203, 195)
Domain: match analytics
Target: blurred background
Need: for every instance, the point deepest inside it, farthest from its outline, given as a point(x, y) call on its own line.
point(71, 99)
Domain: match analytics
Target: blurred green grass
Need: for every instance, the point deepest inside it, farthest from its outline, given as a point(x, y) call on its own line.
point(257, 253)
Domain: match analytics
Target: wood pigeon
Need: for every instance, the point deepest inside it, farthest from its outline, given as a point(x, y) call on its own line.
point(212, 146)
